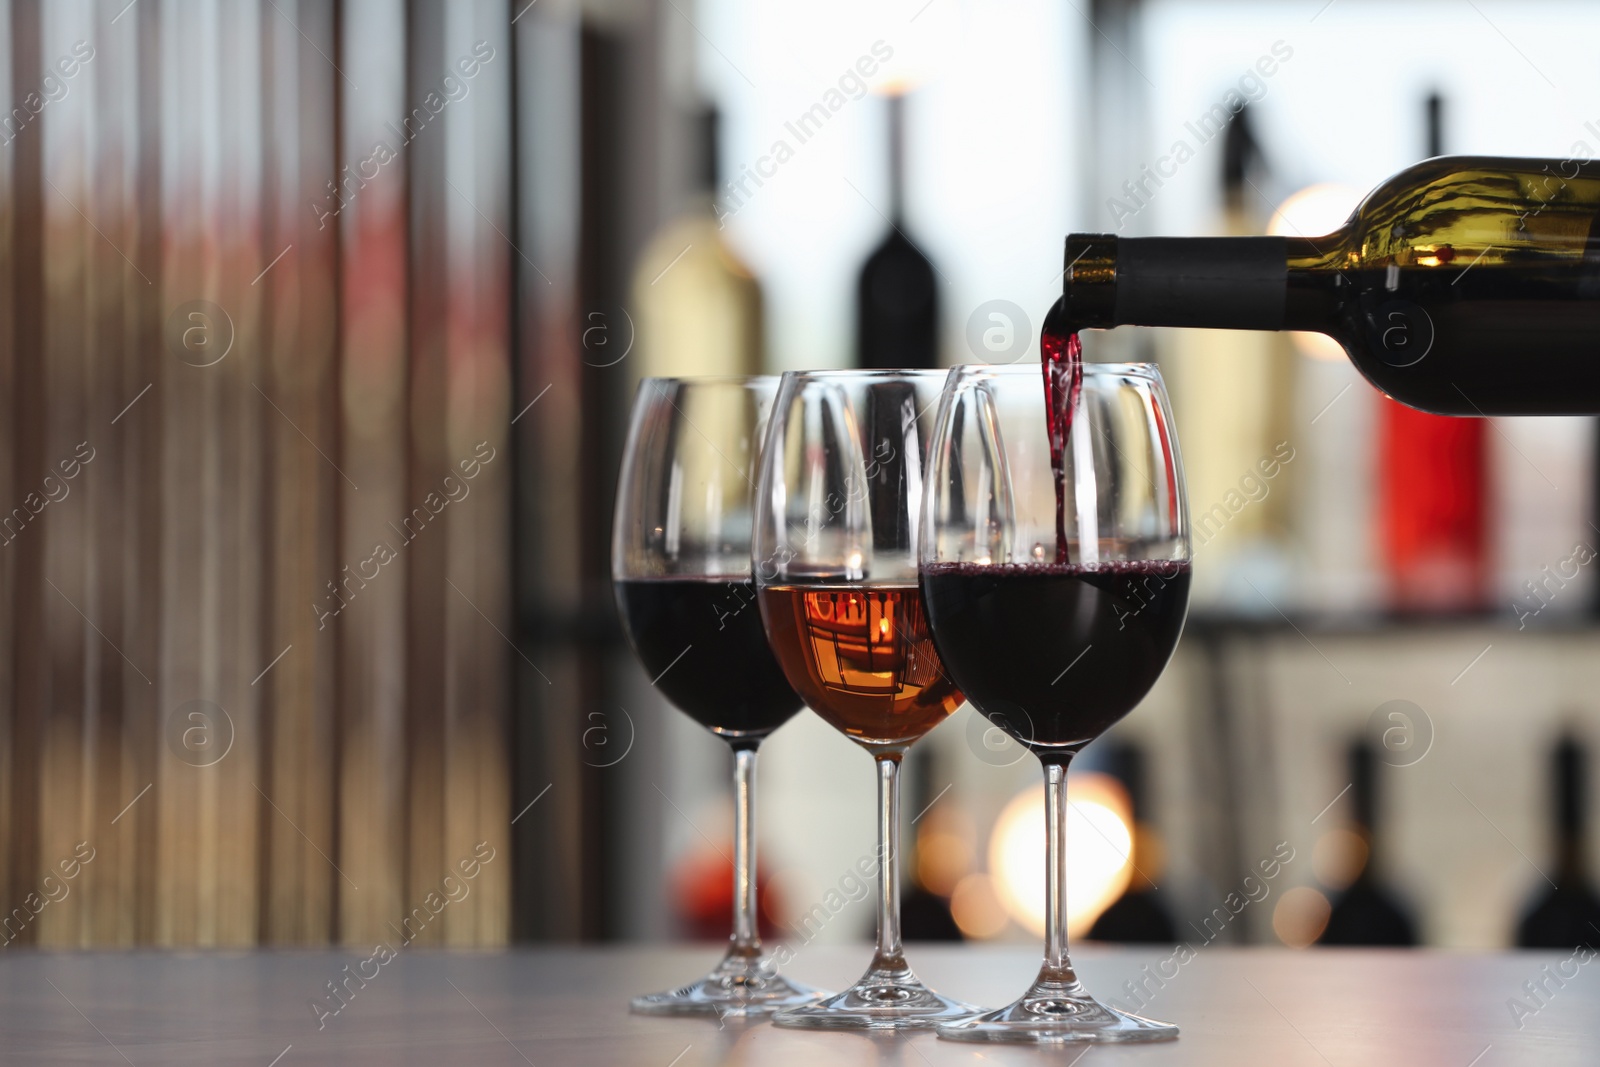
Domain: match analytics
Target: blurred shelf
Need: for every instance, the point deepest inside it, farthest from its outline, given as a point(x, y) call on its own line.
point(1205, 623)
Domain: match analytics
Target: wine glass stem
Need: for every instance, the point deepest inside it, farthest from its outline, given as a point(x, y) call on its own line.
point(889, 955)
point(745, 941)
point(1057, 966)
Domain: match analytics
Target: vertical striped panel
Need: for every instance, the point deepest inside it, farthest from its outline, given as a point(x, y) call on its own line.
point(373, 366)
point(27, 426)
point(67, 596)
point(8, 481)
point(202, 678)
point(550, 530)
point(299, 398)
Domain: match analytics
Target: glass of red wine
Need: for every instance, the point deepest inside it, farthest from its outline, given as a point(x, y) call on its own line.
point(835, 553)
point(1055, 628)
point(680, 564)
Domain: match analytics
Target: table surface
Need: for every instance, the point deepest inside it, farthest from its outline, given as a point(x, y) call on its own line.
point(567, 1007)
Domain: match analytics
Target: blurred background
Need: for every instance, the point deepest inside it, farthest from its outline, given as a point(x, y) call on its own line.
point(321, 320)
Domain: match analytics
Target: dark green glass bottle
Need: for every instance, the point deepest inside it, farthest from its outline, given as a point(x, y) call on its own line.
point(1464, 285)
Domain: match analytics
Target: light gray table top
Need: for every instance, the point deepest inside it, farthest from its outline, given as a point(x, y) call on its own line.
point(567, 1008)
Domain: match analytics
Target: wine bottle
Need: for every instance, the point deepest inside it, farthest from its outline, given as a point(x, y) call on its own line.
point(1367, 913)
point(1464, 285)
point(1568, 913)
point(897, 298)
point(697, 306)
point(924, 914)
point(1432, 490)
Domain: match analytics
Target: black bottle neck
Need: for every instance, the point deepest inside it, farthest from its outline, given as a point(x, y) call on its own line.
point(1571, 815)
point(1236, 283)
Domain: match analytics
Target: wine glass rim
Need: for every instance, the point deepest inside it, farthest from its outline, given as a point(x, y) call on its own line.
point(707, 379)
point(1141, 370)
point(877, 372)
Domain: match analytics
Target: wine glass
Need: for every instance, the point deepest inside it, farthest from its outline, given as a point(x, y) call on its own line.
point(835, 550)
point(1055, 640)
point(680, 564)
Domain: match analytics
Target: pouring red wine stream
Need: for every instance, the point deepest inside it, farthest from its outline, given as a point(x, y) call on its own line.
point(1063, 381)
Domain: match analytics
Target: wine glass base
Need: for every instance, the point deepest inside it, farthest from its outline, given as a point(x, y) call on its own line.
point(740, 985)
point(890, 999)
point(1056, 1016)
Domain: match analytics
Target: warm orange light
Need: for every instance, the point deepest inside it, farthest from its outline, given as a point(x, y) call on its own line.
point(946, 849)
point(1300, 916)
point(1150, 853)
point(896, 85)
point(976, 907)
point(1099, 852)
point(1317, 345)
point(1438, 256)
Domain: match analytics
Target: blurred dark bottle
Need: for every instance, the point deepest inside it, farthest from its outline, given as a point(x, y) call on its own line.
point(1594, 512)
point(1568, 914)
point(924, 914)
point(897, 298)
point(1433, 495)
point(697, 307)
point(1138, 916)
point(1367, 913)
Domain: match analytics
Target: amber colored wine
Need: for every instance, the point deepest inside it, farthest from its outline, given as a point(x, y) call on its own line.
point(861, 657)
point(1464, 285)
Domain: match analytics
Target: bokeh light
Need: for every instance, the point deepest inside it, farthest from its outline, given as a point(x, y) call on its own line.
point(977, 908)
point(1099, 852)
point(947, 849)
point(1300, 916)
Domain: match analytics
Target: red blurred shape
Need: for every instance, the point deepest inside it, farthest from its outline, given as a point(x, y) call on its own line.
point(702, 897)
point(1433, 509)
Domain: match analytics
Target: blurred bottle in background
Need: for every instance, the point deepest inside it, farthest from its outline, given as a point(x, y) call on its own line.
point(700, 882)
point(1231, 394)
point(1138, 916)
point(924, 914)
point(897, 296)
point(697, 306)
point(696, 310)
point(1432, 484)
point(1367, 912)
point(1334, 439)
point(1567, 914)
point(1593, 510)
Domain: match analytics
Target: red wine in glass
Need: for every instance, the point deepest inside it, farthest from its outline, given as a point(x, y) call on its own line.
point(1055, 650)
point(702, 641)
point(679, 557)
point(1055, 653)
